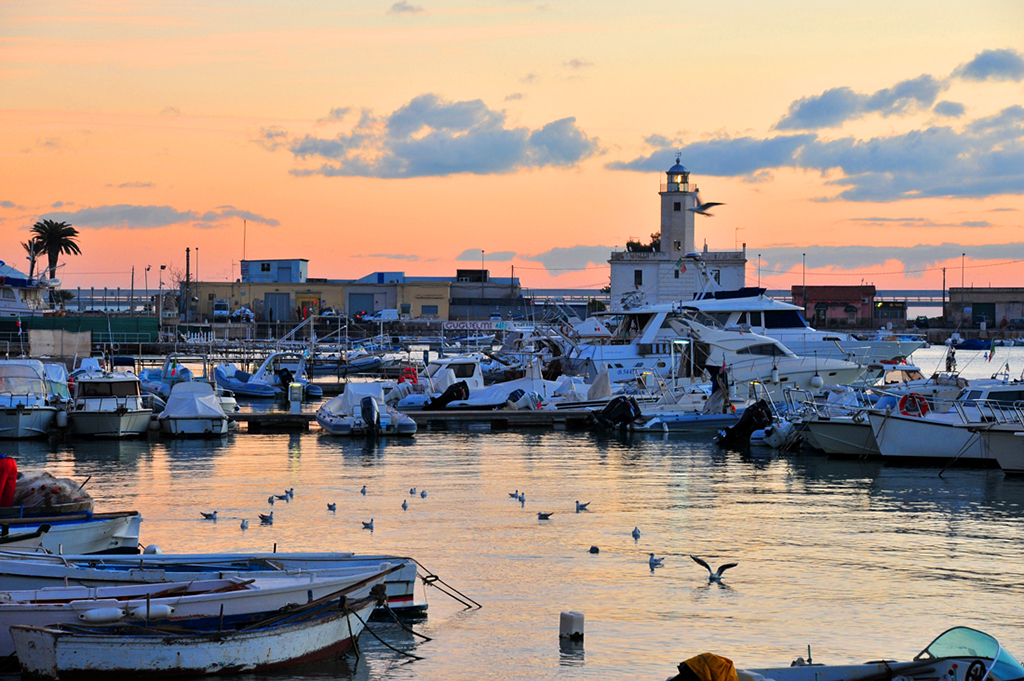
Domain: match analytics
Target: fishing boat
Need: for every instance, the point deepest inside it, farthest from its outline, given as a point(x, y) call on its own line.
point(361, 410)
point(193, 410)
point(321, 629)
point(189, 603)
point(278, 370)
point(28, 571)
point(959, 653)
point(25, 409)
point(77, 533)
point(108, 404)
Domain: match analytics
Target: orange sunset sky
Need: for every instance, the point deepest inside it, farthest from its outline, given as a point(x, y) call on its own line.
point(881, 139)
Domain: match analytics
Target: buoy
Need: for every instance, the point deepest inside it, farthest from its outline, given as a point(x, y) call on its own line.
point(62, 419)
point(817, 381)
point(160, 611)
point(101, 615)
point(570, 626)
point(154, 424)
point(775, 375)
point(152, 549)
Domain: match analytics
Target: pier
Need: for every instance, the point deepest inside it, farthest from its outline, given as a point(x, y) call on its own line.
point(562, 419)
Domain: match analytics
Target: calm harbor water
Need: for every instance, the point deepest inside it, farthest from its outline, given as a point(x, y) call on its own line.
point(858, 560)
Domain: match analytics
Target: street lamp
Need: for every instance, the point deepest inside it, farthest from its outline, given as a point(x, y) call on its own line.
point(803, 267)
point(160, 304)
point(146, 276)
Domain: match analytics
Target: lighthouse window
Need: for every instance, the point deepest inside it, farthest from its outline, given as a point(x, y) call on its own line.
point(677, 206)
point(677, 246)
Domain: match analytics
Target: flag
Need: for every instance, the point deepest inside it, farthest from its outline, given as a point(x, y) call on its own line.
point(992, 350)
point(19, 325)
point(681, 266)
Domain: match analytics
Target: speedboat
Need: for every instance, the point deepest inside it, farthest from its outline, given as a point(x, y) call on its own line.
point(25, 409)
point(277, 372)
point(193, 410)
point(361, 410)
point(958, 654)
point(80, 533)
point(176, 370)
point(109, 404)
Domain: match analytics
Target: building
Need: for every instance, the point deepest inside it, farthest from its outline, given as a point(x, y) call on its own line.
point(970, 307)
point(667, 270)
point(847, 306)
point(275, 271)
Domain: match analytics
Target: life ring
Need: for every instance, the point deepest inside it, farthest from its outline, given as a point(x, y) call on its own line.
point(115, 347)
point(913, 404)
point(408, 374)
point(565, 329)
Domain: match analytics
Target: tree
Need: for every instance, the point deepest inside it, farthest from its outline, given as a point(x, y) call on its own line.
point(55, 238)
point(33, 251)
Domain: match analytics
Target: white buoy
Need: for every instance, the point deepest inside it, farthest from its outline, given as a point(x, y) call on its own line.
point(62, 419)
point(160, 611)
point(570, 626)
point(152, 549)
point(101, 615)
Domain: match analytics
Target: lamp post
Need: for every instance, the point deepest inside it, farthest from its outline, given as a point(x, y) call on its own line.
point(146, 277)
point(803, 268)
point(759, 270)
point(160, 304)
point(481, 278)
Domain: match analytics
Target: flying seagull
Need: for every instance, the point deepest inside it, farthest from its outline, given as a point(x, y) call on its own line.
point(544, 516)
point(654, 562)
point(702, 208)
point(332, 507)
point(209, 516)
point(713, 576)
point(636, 533)
point(581, 507)
point(368, 525)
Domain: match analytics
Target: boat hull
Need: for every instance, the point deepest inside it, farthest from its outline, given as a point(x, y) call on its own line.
point(910, 439)
point(82, 534)
point(194, 427)
point(22, 422)
point(843, 437)
point(1006, 445)
point(110, 424)
point(56, 654)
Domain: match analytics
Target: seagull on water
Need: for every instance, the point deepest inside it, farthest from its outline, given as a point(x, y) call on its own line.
point(545, 516)
point(267, 519)
point(270, 500)
point(412, 490)
point(209, 516)
point(369, 525)
point(245, 525)
point(405, 504)
point(514, 495)
point(522, 497)
point(715, 576)
point(594, 549)
point(363, 491)
point(291, 492)
point(702, 208)
point(654, 562)
point(282, 497)
point(581, 507)
point(423, 494)
point(332, 507)
point(636, 533)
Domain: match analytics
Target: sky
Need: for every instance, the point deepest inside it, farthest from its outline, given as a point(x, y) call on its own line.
point(877, 142)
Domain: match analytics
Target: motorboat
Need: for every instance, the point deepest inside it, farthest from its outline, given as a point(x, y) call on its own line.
point(219, 606)
point(193, 410)
point(22, 296)
point(108, 404)
point(960, 653)
point(176, 369)
point(362, 411)
point(25, 408)
point(32, 571)
point(357, 361)
point(78, 533)
point(273, 377)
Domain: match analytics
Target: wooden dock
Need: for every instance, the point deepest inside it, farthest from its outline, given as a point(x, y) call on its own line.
point(568, 419)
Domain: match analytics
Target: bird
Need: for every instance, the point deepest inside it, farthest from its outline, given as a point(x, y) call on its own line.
point(717, 575)
point(636, 533)
point(267, 519)
point(368, 525)
point(702, 208)
point(291, 492)
point(594, 549)
point(423, 494)
point(412, 490)
point(282, 497)
point(514, 495)
point(332, 507)
point(654, 562)
point(544, 516)
point(245, 525)
point(581, 507)
point(209, 516)
point(363, 490)
point(522, 497)
point(270, 500)
point(405, 504)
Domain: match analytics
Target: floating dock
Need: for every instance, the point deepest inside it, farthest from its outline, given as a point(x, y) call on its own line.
point(565, 419)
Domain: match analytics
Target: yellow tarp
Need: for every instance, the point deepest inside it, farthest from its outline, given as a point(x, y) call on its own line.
point(711, 667)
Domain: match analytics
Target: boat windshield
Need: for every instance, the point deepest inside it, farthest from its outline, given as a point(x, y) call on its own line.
point(970, 643)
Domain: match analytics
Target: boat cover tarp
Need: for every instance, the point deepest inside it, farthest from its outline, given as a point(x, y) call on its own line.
point(707, 667)
point(192, 400)
point(350, 400)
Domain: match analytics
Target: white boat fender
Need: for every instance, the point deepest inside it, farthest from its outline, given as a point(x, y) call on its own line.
point(62, 419)
point(570, 626)
point(154, 424)
point(160, 611)
point(101, 615)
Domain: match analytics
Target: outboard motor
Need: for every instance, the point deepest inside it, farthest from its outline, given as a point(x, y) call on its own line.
point(456, 391)
point(370, 411)
point(285, 376)
point(737, 436)
point(618, 413)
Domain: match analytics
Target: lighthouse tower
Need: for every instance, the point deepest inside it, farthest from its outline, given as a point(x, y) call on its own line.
point(670, 274)
point(676, 219)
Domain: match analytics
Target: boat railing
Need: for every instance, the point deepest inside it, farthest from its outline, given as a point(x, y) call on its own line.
point(995, 411)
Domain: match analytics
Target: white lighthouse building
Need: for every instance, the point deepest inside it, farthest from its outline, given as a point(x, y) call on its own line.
point(671, 273)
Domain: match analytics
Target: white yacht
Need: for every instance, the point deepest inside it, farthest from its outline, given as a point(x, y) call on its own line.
point(108, 405)
point(25, 409)
point(21, 296)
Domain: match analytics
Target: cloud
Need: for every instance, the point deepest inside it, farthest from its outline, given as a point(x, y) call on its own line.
point(835, 106)
point(994, 65)
point(8, 204)
point(950, 109)
point(473, 255)
point(335, 114)
point(57, 204)
point(170, 111)
point(514, 96)
point(394, 256)
point(985, 158)
point(529, 78)
point(759, 177)
point(403, 7)
point(431, 137)
point(131, 185)
point(560, 260)
point(920, 222)
point(126, 216)
point(578, 64)
point(780, 260)
point(272, 137)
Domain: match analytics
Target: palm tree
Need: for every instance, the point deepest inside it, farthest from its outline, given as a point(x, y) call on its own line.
point(32, 249)
point(55, 238)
